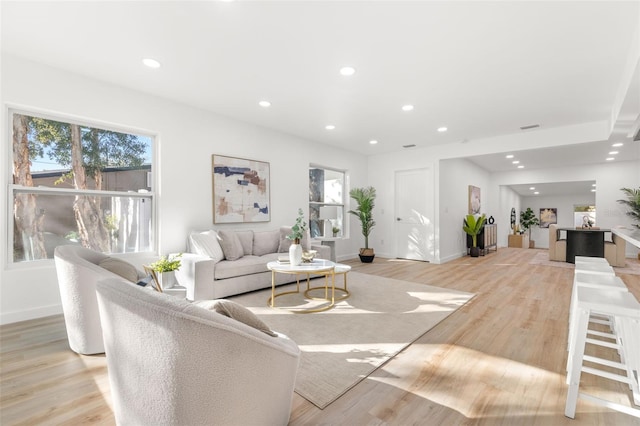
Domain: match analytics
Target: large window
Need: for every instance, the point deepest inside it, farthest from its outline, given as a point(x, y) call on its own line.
point(326, 202)
point(78, 184)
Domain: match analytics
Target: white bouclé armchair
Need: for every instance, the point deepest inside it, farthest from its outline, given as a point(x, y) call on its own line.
point(171, 362)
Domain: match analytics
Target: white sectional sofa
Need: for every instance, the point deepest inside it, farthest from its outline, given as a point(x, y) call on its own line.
point(221, 263)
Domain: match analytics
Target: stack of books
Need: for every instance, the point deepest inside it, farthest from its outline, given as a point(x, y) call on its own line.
point(283, 259)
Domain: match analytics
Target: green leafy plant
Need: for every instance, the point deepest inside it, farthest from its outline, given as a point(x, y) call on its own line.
point(473, 226)
point(365, 197)
point(298, 229)
point(633, 203)
point(528, 220)
point(167, 264)
point(335, 229)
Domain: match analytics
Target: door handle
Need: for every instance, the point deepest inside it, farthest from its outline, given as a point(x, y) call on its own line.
point(398, 219)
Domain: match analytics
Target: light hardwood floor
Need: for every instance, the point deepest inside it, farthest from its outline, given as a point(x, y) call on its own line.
point(500, 359)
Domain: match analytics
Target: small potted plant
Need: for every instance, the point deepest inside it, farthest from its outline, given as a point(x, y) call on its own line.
point(335, 230)
point(528, 220)
point(165, 270)
point(297, 232)
point(473, 227)
point(365, 197)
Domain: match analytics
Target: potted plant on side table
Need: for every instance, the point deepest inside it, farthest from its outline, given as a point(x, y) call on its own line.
point(164, 271)
point(633, 203)
point(472, 227)
point(528, 220)
point(365, 197)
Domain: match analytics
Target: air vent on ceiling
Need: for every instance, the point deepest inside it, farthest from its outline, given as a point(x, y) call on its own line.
point(409, 146)
point(532, 126)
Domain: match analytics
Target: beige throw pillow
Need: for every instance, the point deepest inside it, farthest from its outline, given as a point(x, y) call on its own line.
point(121, 268)
point(231, 245)
point(285, 243)
point(237, 312)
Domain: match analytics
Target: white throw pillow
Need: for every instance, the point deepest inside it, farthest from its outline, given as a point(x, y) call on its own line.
point(237, 312)
point(207, 244)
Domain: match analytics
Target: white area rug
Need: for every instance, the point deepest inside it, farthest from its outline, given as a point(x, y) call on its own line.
point(342, 346)
point(542, 258)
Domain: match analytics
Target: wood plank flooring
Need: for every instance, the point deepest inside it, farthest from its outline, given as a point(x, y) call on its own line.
point(499, 360)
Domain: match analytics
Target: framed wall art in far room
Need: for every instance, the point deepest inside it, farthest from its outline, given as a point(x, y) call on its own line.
point(241, 190)
point(474, 200)
point(548, 216)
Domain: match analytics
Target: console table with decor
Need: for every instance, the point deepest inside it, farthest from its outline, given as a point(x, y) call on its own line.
point(487, 239)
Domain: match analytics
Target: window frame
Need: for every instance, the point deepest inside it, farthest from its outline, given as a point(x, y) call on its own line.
point(14, 189)
point(344, 206)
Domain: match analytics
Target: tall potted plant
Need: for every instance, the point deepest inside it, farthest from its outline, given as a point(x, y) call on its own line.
point(473, 227)
point(633, 203)
point(528, 220)
point(365, 198)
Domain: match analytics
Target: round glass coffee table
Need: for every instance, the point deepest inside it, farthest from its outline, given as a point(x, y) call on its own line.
point(316, 267)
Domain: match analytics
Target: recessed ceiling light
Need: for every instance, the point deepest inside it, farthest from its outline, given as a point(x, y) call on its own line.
point(264, 104)
point(347, 71)
point(407, 107)
point(593, 190)
point(442, 129)
point(329, 127)
point(151, 63)
point(617, 144)
point(521, 167)
point(610, 159)
point(509, 156)
point(515, 162)
point(532, 188)
point(613, 152)
point(373, 142)
point(536, 193)
point(593, 184)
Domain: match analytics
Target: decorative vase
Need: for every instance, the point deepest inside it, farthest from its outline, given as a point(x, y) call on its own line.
point(366, 255)
point(295, 253)
point(166, 279)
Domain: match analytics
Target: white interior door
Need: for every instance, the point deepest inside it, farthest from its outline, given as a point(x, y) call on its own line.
point(414, 215)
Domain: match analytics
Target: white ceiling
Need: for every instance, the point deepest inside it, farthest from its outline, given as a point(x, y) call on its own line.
point(482, 69)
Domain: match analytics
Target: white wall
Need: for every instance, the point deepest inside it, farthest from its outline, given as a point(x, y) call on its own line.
point(509, 199)
point(455, 177)
point(186, 138)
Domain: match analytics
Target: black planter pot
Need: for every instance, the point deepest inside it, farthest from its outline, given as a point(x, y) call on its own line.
point(474, 251)
point(366, 259)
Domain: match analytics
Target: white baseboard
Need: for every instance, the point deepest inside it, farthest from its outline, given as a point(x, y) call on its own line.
point(40, 312)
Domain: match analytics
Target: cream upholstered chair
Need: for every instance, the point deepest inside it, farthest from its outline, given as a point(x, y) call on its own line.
point(78, 270)
point(557, 247)
point(614, 251)
point(171, 362)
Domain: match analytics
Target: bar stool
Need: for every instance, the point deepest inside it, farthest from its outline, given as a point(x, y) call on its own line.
point(602, 282)
point(594, 268)
point(588, 259)
point(625, 310)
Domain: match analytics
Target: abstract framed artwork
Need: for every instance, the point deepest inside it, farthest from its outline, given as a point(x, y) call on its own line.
point(548, 216)
point(240, 190)
point(474, 200)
